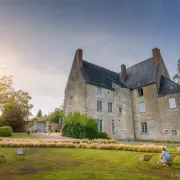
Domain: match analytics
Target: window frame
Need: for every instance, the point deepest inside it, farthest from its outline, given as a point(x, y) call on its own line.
point(140, 92)
point(100, 125)
point(109, 107)
point(99, 105)
point(113, 127)
point(172, 132)
point(140, 109)
point(144, 128)
point(170, 103)
point(98, 90)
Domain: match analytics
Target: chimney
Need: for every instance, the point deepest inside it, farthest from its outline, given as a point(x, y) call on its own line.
point(123, 73)
point(156, 56)
point(79, 54)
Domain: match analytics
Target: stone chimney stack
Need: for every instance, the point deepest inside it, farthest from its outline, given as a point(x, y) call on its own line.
point(156, 56)
point(79, 54)
point(123, 73)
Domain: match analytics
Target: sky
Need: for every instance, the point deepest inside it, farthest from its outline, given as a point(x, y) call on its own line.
point(38, 40)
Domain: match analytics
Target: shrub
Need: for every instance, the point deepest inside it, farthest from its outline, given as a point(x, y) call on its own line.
point(91, 129)
point(5, 131)
point(103, 135)
point(77, 125)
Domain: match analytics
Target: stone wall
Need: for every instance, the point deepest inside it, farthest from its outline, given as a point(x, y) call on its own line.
point(151, 116)
point(74, 100)
point(120, 98)
point(170, 118)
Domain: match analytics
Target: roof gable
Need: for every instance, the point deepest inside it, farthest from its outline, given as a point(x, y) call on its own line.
point(168, 87)
point(141, 74)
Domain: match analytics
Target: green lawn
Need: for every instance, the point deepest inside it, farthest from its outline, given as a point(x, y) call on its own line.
point(82, 164)
point(23, 136)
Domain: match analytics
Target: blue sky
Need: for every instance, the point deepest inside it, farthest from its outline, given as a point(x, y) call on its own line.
point(38, 39)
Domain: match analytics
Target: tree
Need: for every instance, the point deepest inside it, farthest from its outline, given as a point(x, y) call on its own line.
point(15, 105)
point(176, 77)
point(39, 114)
point(23, 100)
point(6, 90)
point(54, 116)
point(13, 116)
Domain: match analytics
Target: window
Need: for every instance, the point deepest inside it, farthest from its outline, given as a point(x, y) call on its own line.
point(172, 103)
point(98, 90)
point(144, 127)
point(99, 105)
point(140, 92)
point(166, 131)
point(174, 133)
point(109, 107)
point(120, 110)
point(141, 107)
point(113, 126)
point(99, 123)
point(71, 100)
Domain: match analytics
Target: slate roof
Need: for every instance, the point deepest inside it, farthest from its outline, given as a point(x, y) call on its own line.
point(138, 75)
point(168, 87)
point(100, 76)
point(141, 74)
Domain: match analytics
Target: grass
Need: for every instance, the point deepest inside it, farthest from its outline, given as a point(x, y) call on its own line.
point(83, 164)
point(23, 136)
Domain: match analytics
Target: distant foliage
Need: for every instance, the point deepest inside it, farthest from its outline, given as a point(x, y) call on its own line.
point(5, 131)
point(78, 125)
point(39, 114)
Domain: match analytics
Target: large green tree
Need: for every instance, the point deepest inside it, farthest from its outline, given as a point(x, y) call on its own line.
point(23, 100)
point(13, 116)
point(176, 77)
point(15, 105)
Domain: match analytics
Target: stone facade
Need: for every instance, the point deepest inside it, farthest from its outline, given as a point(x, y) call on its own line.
point(126, 121)
point(75, 89)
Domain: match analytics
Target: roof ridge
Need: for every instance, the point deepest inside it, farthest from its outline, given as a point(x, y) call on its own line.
point(101, 67)
point(140, 62)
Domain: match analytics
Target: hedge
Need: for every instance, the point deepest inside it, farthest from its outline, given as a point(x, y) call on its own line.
point(5, 131)
point(103, 135)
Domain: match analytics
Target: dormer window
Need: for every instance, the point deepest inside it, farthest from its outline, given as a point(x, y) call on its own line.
point(140, 92)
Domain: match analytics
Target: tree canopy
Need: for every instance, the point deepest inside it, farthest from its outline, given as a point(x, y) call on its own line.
point(6, 90)
point(176, 77)
point(15, 105)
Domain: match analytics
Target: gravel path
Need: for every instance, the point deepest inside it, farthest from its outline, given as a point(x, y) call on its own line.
point(51, 136)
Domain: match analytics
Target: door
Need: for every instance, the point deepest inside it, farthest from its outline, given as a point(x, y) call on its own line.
point(122, 135)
